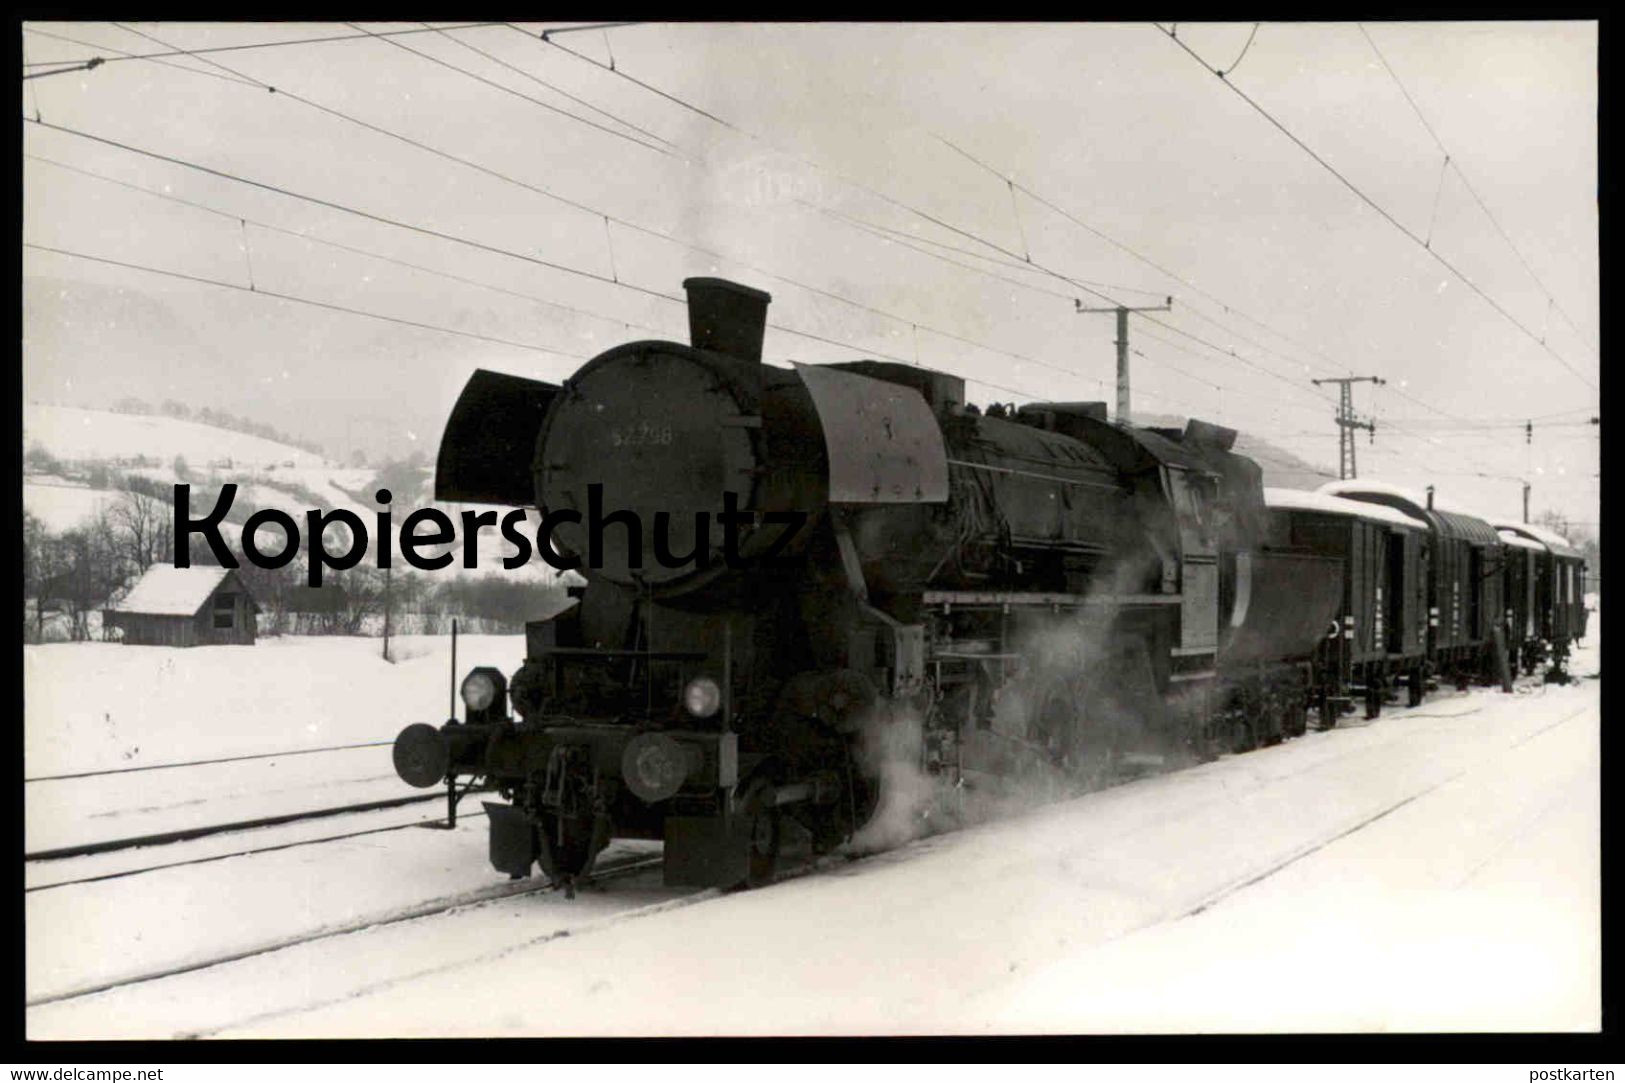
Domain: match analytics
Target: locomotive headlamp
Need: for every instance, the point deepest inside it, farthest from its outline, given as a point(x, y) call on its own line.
point(478, 690)
point(485, 694)
point(702, 698)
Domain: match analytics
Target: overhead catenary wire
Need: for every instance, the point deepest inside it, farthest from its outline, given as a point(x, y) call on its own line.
point(936, 220)
point(310, 238)
point(912, 322)
point(555, 88)
point(33, 91)
point(525, 97)
point(1473, 191)
point(493, 249)
point(172, 51)
point(330, 306)
point(1386, 216)
point(125, 54)
point(1144, 259)
point(649, 231)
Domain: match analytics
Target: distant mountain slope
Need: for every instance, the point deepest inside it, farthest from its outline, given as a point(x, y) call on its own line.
point(70, 432)
point(1282, 468)
point(87, 441)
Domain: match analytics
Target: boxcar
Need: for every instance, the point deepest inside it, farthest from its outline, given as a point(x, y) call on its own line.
point(1521, 564)
point(1462, 562)
point(1558, 594)
point(1379, 635)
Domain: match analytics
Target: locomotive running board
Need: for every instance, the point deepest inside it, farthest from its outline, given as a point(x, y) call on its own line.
point(490, 440)
point(883, 444)
point(1040, 598)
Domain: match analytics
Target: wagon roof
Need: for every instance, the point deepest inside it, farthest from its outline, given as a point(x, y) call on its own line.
point(170, 591)
point(1518, 541)
point(1548, 539)
point(1307, 500)
point(1449, 522)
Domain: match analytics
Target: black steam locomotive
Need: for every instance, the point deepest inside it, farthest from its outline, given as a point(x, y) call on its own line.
point(995, 595)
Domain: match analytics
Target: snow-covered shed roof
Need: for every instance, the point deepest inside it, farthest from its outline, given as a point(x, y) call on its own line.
point(170, 591)
point(1305, 500)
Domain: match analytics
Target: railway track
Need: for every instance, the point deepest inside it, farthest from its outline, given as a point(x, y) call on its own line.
point(479, 897)
point(561, 924)
point(250, 852)
point(70, 813)
point(104, 772)
point(186, 834)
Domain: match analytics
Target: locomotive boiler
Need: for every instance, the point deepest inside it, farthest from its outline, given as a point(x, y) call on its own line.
point(796, 573)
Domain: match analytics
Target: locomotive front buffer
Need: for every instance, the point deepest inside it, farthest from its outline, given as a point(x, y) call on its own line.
point(667, 771)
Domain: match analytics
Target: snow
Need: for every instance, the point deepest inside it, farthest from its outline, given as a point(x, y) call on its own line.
point(1351, 487)
point(1548, 538)
point(101, 706)
point(1435, 869)
point(80, 936)
point(1517, 541)
point(69, 432)
point(89, 706)
point(171, 591)
point(62, 506)
point(1302, 500)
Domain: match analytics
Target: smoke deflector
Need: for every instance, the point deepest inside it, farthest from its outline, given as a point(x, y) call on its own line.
point(490, 440)
point(883, 443)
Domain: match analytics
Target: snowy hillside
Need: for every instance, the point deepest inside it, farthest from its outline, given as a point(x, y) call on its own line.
point(69, 432)
point(267, 474)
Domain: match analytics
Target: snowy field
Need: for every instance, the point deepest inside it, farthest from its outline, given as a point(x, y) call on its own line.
point(89, 706)
point(1436, 869)
point(100, 707)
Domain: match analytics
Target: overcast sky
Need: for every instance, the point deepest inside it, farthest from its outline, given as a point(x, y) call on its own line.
point(832, 150)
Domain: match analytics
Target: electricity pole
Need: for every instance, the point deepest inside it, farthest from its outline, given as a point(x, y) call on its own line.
point(1347, 422)
point(1122, 348)
point(389, 605)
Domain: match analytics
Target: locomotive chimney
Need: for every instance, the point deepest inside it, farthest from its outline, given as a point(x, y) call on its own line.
point(1430, 498)
point(726, 317)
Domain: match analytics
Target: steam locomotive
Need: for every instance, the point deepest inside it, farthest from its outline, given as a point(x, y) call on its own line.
point(1002, 595)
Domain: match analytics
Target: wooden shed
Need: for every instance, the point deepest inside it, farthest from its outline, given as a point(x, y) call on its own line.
point(185, 607)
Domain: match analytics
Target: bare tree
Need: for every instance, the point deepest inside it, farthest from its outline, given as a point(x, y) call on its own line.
point(90, 573)
point(140, 527)
point(40, 566)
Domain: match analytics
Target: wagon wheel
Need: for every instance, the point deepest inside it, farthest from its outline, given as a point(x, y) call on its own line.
point(1373, 699)
point(1274, 723)
point(762, 834)
point(1296, 720)
point(1244, 735)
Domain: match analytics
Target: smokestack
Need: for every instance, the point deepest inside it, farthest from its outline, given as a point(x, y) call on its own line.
point(726, 317)
point(1430, 498)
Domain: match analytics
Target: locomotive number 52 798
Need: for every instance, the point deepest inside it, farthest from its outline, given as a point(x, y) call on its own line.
point(641, 434)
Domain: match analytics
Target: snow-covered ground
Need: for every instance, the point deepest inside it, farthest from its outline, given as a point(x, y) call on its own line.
point(98, 707)
point(62, 506)
point(91, 706)
point(1435, 869)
